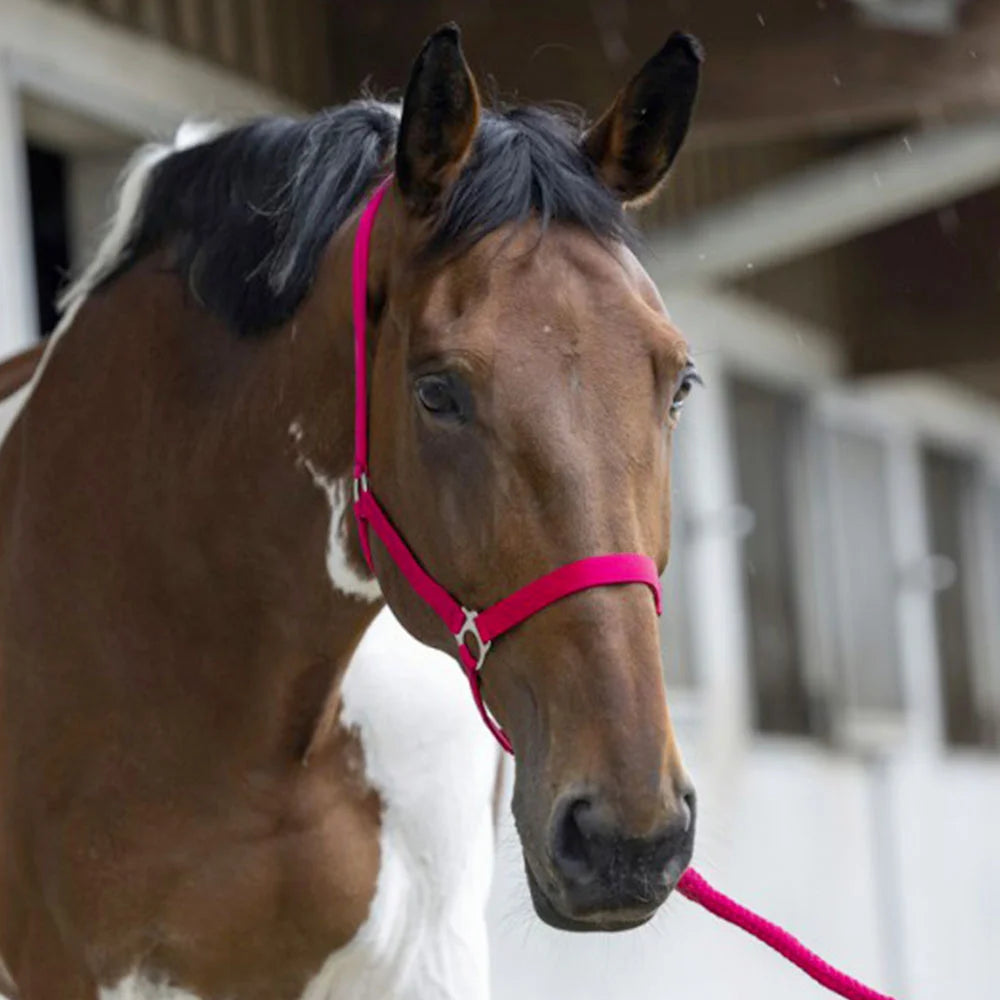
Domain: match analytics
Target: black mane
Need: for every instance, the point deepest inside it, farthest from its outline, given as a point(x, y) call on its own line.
point(246, 216)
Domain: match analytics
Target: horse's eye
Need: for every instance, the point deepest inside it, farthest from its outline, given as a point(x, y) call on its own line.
point(438, 394)
point(688, 380)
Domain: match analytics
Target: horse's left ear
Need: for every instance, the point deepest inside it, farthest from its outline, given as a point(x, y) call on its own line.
point(633, 144)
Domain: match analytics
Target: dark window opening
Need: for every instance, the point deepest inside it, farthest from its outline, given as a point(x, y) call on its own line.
point(950, 481)
point(50, 230)
point(765, 428)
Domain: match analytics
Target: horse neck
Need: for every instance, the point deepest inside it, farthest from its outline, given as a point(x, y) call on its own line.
point(214, 458)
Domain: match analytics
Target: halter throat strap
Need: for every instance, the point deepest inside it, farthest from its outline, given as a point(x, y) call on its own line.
point(473, 630)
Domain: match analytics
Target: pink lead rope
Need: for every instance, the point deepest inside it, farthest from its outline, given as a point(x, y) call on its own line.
point(695, 888)
point(482, 627)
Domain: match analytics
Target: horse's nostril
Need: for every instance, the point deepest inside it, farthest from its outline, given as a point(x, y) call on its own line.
point(571, 840)
point(688, 808)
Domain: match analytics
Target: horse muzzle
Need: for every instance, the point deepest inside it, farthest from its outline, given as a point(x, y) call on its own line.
point(597, 876)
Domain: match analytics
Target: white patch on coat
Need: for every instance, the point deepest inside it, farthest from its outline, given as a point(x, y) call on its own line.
point(339, 566)
point(11, 407)
point(7, 989)
point(433, 765)
point(135, 986)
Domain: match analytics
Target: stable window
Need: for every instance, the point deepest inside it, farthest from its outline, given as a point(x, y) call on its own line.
point(861, 614)
point(766, 432)
point(957, 496)
point(49, 229)
point(73, 162)
point(819, 566)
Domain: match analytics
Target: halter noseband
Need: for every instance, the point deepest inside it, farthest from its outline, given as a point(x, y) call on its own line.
point(481, 627)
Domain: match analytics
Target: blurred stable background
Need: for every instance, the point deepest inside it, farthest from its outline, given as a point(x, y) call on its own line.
point(829, 243)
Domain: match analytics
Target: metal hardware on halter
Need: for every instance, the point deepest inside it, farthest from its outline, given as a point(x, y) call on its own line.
point(469, 627)
point(359, 485)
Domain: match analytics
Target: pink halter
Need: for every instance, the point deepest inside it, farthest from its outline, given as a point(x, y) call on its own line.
point(479, 627)
point(484, 626)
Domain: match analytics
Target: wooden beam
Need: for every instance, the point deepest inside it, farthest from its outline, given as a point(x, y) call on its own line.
point(775, 68)
point(823, 205)
point(260, 12)
point(110, 74)
point(923, 293)
point(830, 69)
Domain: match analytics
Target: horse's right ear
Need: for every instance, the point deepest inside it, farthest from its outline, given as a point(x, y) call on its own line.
point(440, 115)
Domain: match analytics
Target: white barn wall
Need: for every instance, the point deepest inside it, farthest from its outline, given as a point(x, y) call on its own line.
point(18, 312)
point(948, 814)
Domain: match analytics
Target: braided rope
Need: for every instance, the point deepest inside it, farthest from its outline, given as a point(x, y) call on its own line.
point(695, 888)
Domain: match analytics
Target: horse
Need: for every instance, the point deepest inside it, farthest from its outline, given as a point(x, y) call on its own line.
point(236, 761)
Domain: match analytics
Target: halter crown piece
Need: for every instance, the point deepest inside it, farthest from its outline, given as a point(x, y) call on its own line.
point(482, 627)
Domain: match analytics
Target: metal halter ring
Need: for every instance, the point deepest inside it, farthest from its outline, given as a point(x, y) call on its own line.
point(470, 628)
point(359, 485)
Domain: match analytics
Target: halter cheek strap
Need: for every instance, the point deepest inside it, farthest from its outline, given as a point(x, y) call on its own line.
point(474, 631)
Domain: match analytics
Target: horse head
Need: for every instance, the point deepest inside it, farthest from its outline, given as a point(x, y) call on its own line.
point(525, 384)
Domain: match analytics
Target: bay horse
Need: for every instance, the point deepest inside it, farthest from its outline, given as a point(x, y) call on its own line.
point(213, 783)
